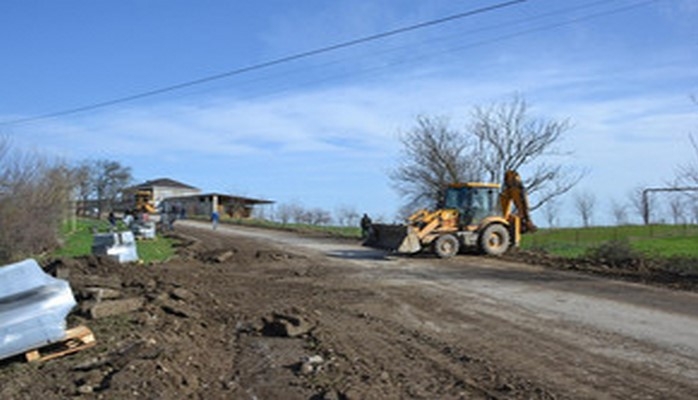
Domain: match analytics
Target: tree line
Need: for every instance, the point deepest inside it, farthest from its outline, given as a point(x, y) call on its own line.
point(505, 135)
point(676, 202)
point(37, 194)
point(499, 137)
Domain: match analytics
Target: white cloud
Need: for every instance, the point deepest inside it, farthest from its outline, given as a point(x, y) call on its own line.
point(628, 128)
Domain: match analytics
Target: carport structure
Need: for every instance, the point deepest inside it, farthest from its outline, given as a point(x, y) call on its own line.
point(205, 203)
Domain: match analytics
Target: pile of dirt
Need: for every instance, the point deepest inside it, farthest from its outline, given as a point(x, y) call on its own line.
point(234, 318)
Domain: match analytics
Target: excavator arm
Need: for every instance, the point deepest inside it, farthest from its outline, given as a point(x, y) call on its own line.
point(513, 192)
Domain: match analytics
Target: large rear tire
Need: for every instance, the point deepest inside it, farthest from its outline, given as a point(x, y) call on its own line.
point(446, 246)
point(495, 240)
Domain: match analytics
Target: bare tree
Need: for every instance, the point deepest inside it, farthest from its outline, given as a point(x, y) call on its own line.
point(434, 155)
point(509, 139)
point(688, 173)
point(298, 213)
point(284, 213)
point(346, 215)
point(108, 179)
point(319, 216)
point(635, 197)
point(502, 136)
point(260, 212)
point(304, 217)
point(83, 184)
point(677, 209)
point(619, 212)
point(551, 211)
point(694, 212)
point(584, 203)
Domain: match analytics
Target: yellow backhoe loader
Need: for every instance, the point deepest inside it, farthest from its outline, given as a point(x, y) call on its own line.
point(144, 202)
point(472, 215)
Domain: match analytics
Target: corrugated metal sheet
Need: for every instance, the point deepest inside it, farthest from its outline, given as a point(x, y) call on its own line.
point(33, 308)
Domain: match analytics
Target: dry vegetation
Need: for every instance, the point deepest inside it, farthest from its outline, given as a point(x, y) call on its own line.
point(34, 196)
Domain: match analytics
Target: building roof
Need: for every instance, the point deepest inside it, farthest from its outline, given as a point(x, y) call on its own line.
point(163, 182)
point(223, 198)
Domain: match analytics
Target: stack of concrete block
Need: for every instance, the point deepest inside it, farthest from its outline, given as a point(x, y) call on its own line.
point(119, 245)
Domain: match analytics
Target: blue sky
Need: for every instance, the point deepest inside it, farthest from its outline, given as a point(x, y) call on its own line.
point(323, 130)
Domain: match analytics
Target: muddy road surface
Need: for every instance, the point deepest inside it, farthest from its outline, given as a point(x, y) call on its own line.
point(253, 314)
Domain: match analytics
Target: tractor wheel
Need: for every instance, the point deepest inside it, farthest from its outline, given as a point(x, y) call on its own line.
point(446, 246)
point(495, 240)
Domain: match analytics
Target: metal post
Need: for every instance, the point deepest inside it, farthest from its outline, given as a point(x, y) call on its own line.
point(214, 204)
point(646, 206)
point(645, 198)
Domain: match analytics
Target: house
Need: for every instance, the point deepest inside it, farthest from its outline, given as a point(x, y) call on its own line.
point(161, 189)
point(172, 196)
point(154, 191)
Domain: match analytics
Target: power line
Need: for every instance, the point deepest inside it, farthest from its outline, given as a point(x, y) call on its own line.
point(266, 64)
point(518, 21)
point(479, 43)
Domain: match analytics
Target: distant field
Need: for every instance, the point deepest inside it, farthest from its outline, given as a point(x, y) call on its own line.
point(652, 240)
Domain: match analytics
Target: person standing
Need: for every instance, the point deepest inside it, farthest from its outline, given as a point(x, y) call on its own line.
point(112, 220)
point(365, 226)
point(215, 217)
point(128, 220)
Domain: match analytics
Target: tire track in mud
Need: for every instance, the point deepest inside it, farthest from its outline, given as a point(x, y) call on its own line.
point(421, 364)
point(571, 360)
point(474, 328)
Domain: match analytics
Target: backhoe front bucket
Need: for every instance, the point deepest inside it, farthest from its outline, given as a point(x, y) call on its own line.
point(398, 238)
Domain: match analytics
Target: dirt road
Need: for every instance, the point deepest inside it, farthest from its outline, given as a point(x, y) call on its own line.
point(579, 336)
point(252, 314)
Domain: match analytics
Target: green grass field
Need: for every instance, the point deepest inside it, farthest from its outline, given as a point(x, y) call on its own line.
point(77, 241)
point(659, 241)
point(653, 240)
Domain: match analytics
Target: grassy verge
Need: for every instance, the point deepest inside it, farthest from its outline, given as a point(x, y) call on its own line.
point(663, 241)
point(77, 241)
point(653, 240)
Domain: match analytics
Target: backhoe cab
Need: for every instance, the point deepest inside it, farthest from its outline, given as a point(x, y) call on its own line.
point(470, 215)
point(144, 202)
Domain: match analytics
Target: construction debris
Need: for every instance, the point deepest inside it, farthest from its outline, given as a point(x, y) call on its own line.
point(100, 293)
point(33, 308)
point(76, 339)
point(119, 245)
point(286, 325)
point(108, 308)
point(309, 365)
point(144, 230)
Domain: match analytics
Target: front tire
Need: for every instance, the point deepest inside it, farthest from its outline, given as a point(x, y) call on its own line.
point(495, 240)
point(446, 246)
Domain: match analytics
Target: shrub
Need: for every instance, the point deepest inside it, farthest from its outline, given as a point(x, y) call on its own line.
point(615, 253)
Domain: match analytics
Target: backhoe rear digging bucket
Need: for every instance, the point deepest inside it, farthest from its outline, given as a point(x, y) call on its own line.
point(398, 238)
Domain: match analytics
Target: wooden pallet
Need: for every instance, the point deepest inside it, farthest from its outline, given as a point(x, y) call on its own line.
point(76, 339)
